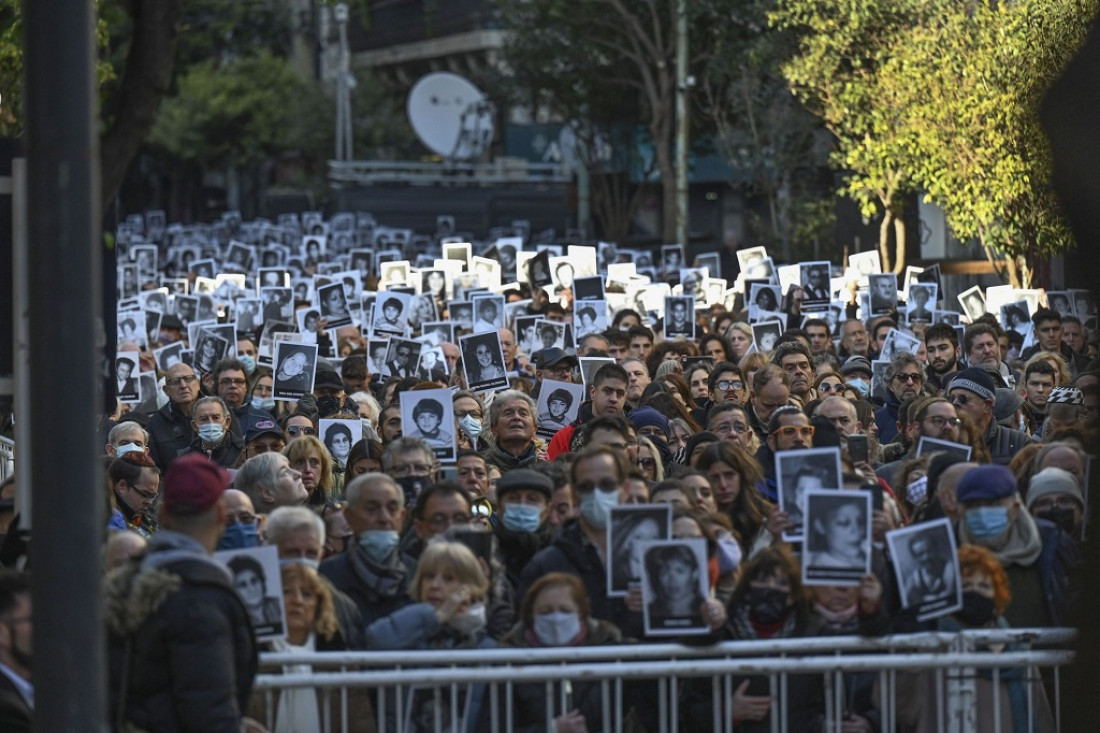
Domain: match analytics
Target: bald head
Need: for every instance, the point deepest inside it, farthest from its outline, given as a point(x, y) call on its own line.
point(238, 504)
point(945, 490)
point(121, 546)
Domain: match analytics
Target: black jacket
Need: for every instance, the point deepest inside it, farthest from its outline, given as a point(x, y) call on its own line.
point(170, 434)
point(377, 590)
point(226, 454)
point(181, 639)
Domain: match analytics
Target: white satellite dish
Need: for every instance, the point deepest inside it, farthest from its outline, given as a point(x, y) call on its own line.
point(450, 115)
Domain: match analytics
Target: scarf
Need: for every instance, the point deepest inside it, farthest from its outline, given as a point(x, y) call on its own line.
point(297, 709)
point(386, 582)
point(1022, 546)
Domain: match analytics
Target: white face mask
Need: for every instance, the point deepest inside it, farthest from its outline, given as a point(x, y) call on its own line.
point(125, 448)
point(557, 628)
point(917, 490)
point(469, 621)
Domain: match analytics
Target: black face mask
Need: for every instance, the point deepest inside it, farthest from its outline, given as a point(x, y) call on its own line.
point(977, 609)
point(767, 605)
point(1062, 516)
point(330, 405)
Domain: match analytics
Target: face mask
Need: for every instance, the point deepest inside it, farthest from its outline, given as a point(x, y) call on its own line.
point(987, 522)
point(248, 363)
point(379, 543)
point(596, 507)
point(261, 404)
point(239, 535)
point(470, 621)
point(729, 556)
point(471, 426)
point(328, 405)
point(917, 490)
point(977, 610)
point(767, 605)
point(122, 450)
point(557, 628)
point(861, 386)
point(521, 518)
point(1062, 516)
point(211, 433)
point(284, 561)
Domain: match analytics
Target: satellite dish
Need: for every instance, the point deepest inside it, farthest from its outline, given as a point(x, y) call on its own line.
point(450, 115)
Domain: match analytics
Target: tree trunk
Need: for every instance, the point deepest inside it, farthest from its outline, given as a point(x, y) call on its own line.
point(899, 244)
point(884, 240)
point(662, 151)
point(146, 78)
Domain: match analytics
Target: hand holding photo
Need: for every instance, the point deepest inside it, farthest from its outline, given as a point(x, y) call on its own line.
point(429, 415)
point(800, 471)
point(838, 537)
point(674, 586)
point(628, 526)
point(295, 366)
point(927, 562)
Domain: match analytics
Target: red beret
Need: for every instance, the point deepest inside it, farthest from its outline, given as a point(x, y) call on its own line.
point(193, 484)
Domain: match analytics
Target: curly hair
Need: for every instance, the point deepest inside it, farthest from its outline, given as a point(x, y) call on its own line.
point(974, 559)
point(299, 450)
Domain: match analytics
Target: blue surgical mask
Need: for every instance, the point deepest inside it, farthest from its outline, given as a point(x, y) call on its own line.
point(379, 543)
point(596, 507)
point(861, 386)
point(729, 556)
point(471, 426)
point(261, 404)
point(987, 522)
point(211, 433)
point(125, 448)
point(239, 535)
point(249, 364)
point(522, 518)
point(557, 628)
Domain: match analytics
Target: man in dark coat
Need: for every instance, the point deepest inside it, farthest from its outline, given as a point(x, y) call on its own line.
point(182, 649)
point(170, 432)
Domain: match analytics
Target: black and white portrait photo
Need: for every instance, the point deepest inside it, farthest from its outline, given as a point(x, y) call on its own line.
point(628, 527)
point(186, 307)
point(393, 274)
point(750, 260)
point(333, 301)
point(674, 586)
point(127, 386)
point(278, 304)
point(799, 471)
point(433, 364)
point(238, 257)
point(308, 324)
point(361, 260)
point(295, 366)
point(429, 415)
point(538, 270)
point(588, 288)
point(563, 271)
point(168, 356)
point(339, 436)
point(712, 261)
point(313, 249)
point(837, 544)
point(483, 361)
point(765, 335)
point(897, 342)
point(884, 293)
point(927, 565)
point(391, 314)
point(866, 263)
point(462, 315)
point(551, 335)
point(457, 251)
point(434, 333)
point(259, 583)
point(921, 303)
point(679, 316)
point(814, 278)
point(488, 313)
point(589, 316)
point(402, 358)
point(209, 350)
point(764, 299)
point(434, 284)
point(959, 451)
point(672, 258)
point(589, 365)
point(972, 302)
point(558, 405)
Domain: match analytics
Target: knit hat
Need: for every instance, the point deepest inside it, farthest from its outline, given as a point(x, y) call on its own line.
point(974, 380)
point(327, 378)
point(693, 442)
point(855, 364)
point(524, 478)
point(193, 484)
point(985, 483)
point(1053, 480)
point(1066, 396)
point(646, 417)
point(1005, 403)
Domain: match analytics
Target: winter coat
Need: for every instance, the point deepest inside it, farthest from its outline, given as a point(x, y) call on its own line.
point(378, 590)
point(181, 647)
point(170, 435)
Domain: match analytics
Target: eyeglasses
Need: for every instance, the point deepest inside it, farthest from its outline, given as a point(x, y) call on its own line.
point(459, 414)
point(177, 381)
point(789, 431)
point(607, 484)
point(647, 463)
point(446, 520)
point(243, 518)
point(301, 430)
point(959, 399)
point(730, 427)
point(829, 387)
point(727, 384)
point(1052, 502)
point(407, 469)
point(915, 378)
point(939, 421)
point(148, 496)
point(232, 382)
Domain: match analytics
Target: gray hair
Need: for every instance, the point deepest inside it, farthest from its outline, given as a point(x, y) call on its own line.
point(362, 398)
point(901, 360)
point(212, 399)
point(287, 519)
point(353, 491)
point(406, 444)
point(507, 396)
point(125, 428)
point(259, 472)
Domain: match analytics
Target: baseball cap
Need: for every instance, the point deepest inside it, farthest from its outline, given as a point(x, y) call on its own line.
point(524, 478)
point(554, 356)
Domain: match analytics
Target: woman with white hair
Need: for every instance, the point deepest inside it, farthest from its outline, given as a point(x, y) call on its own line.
point(270, 482)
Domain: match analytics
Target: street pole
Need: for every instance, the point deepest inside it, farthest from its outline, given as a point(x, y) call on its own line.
point(682, 84)
point(65, 307)
point(343, 87)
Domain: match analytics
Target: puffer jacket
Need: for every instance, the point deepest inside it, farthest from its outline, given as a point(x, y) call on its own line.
point(182, 652)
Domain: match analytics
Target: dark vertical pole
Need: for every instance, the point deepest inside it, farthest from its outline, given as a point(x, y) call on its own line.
point(65, 304)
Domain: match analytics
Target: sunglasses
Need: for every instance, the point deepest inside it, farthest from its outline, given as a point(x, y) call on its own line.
point(301, 430)
point(789, 431)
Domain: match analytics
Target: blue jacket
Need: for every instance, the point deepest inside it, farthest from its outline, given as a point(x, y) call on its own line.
point(887, 419)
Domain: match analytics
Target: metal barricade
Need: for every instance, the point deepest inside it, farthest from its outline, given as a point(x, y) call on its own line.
point(645, 687)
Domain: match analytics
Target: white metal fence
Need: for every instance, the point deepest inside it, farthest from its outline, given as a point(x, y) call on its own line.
point(952, 663)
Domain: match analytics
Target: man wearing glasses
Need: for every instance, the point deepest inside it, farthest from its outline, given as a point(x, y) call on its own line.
point(170, 427)
point(231, 382)
point(904, 379)
point(135, 480)
point(788, 429)
point(972, 393)
point(553, 364)
point(930, 417)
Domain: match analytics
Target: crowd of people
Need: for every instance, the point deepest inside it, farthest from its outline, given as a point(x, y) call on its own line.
point(927, 420)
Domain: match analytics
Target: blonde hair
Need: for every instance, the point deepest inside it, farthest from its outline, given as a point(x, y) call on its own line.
point(456, 558)
point(324, 622)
